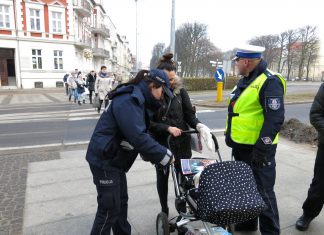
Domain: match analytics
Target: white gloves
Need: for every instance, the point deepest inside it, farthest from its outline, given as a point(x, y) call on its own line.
point(206, 135)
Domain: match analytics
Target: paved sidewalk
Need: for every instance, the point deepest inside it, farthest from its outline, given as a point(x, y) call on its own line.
point(61, 198)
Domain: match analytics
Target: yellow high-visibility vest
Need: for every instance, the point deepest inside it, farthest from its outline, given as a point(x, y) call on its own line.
point(248, 118)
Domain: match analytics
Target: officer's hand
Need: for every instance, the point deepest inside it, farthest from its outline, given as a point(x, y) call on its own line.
point(163, 165)
point(259, 159)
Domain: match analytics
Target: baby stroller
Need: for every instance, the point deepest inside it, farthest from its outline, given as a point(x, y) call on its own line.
point(226, 195)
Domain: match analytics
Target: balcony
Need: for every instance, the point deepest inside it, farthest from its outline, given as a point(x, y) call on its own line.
point(114, 45)
point(100, 29)
point(82, 7)
point(99, 52)
point(82, 43)
point(114, 59)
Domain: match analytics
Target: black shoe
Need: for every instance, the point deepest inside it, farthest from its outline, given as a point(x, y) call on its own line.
point(245, 228)
point(84, 101)
point(79, 102)
point(303, 222)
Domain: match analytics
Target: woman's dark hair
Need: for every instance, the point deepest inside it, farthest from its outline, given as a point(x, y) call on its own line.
point(142, 75)
point(166, 62)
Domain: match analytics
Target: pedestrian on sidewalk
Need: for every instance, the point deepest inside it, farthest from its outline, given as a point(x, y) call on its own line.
point(65, 78)
point(103, 85)
point(255, 115)
point(72, 87)
point(80, 89)
point(91, 79)
point(116, 142)
point(315, 198)
point(175, 115)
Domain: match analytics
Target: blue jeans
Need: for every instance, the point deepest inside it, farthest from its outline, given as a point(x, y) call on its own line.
point(74, 93)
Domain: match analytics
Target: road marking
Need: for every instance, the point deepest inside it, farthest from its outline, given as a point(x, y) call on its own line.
point(79, 114)
point(206, 111)
point(83, 118)
point(29, 133)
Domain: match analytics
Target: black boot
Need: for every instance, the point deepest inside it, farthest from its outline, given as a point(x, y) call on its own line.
point(84, 101)
point(303, 222)
point(79, 102)
point(166, 211)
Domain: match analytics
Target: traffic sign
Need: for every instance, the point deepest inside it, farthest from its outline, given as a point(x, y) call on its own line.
point(219, 75)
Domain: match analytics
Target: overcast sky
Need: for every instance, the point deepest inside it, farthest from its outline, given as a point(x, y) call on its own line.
point(230, 22)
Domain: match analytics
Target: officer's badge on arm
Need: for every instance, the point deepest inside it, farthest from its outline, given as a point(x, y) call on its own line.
point(273, 103)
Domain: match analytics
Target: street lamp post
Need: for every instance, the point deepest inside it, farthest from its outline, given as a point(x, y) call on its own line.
point(136, 64)
point(172, 36)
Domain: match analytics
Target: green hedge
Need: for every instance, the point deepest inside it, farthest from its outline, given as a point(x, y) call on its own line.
point(200, 84)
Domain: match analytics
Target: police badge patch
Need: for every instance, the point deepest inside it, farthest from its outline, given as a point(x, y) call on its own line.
point(273, 103)
point(266, 140)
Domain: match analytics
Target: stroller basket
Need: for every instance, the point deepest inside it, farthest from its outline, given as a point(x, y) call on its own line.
point(228, 194)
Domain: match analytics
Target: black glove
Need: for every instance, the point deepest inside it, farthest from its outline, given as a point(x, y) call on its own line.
point(259, 159)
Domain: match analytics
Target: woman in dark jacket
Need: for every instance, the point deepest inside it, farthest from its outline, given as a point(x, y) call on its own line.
point(116, 142)
point(91, 79)
point(315, 198)
point(175, 115)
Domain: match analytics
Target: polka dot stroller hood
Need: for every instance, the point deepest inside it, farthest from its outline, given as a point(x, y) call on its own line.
point(228, 194)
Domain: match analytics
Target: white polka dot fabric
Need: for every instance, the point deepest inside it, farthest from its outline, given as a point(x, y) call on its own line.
point(228, 194)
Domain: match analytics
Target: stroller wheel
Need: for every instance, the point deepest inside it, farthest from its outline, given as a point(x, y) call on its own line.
point(162, 224)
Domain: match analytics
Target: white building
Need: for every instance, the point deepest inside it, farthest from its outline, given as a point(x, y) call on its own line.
point(41, 40)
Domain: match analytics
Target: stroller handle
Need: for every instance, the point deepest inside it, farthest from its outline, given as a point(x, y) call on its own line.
point(189, 132)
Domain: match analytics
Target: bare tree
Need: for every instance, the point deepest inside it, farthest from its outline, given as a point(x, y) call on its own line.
point(282, 41)
point(292, 50)
point(157, 52)
point(194, 50)
point(312, 56)
point(270, 43)
point(308, 36)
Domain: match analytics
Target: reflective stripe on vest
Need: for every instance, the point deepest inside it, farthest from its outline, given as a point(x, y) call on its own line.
point(246, 126)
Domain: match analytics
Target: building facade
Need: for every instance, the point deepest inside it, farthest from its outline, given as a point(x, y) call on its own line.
point(41, 40)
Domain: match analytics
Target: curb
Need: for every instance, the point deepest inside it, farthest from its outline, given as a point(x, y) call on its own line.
point(44, 145)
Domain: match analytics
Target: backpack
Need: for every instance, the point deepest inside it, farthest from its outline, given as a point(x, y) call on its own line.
point(65, 77)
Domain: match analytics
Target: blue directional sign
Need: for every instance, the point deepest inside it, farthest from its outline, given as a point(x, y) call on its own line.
point(219, 75)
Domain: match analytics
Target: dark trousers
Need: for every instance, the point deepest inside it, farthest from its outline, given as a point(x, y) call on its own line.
point(265, 179)
point(112, 201)
point(162, 182)
point(315, 199)
point(100, 104)
point(90, 95)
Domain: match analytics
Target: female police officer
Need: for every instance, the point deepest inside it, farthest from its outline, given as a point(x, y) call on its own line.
point(119, 136)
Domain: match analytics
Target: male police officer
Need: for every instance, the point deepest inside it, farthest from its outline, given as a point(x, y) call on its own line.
point(255, 115)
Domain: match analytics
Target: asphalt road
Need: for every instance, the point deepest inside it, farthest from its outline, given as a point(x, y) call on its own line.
point(292, 88)
point(66, 124)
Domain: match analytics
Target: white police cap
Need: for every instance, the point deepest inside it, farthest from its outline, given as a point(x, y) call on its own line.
point(249, 51)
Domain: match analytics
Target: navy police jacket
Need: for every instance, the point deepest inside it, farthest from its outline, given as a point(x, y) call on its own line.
point(121, 132)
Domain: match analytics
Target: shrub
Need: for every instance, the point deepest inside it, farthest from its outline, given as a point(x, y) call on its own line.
point(201, 84)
